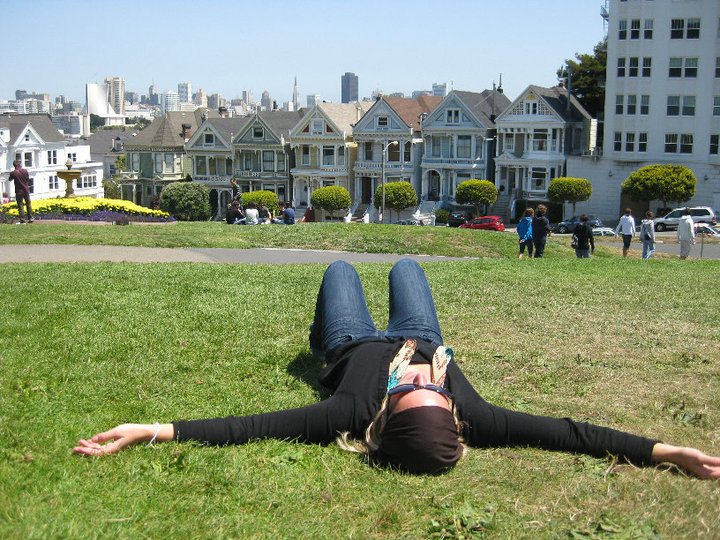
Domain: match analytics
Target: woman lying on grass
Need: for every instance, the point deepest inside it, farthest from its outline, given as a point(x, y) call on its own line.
point(400, 391)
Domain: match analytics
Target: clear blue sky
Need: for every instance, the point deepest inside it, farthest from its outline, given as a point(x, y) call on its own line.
point(227, 46)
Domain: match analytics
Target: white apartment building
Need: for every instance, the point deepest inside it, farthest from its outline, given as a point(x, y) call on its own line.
point(662, 101)
point(116, 93)
point(185, 92)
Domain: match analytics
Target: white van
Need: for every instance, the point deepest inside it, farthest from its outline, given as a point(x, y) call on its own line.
point(699, 214)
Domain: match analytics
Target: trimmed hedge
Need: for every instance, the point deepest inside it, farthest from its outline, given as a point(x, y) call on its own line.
point(186, 201)
point(268, 198)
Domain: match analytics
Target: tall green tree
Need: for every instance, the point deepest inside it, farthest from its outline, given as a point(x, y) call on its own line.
point(674, 183)
point(588, 78)
point(476, 192)
point(568, 189)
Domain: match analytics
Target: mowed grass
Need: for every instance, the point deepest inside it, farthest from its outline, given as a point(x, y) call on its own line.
point(355, 237)
point(626, 343)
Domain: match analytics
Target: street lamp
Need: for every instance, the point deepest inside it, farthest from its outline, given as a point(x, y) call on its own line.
point(388, 145)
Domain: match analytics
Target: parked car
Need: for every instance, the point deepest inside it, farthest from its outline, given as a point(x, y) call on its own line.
point(570, 224)
point(457, 218)
point(490, 223)
point(703, 229)
point(699, 214)
point(603, 231)
point(408, 222)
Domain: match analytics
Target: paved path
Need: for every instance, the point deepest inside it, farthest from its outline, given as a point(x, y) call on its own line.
point(73, 253)
point(709, 251)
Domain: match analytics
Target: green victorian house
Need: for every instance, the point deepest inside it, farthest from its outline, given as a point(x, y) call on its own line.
point(156, 156)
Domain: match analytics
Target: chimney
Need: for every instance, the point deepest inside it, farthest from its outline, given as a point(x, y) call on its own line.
point(117, 145)
point(186, 132)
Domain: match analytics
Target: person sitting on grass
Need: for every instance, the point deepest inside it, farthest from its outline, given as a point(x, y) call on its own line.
point(252, 217)
point(398, 396)
point(286, 216)
point(234, 215)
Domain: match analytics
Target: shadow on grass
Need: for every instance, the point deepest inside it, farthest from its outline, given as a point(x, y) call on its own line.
point(306, 368)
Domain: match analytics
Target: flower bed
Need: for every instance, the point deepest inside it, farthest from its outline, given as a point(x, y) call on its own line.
point(88, 208)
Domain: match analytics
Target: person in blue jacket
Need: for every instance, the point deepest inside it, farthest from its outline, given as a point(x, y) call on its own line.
point(525, 233)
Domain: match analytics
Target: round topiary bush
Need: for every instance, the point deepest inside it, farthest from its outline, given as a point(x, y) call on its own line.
point(331, 198)
point(268, 198)
point(186, 201)
point(398, 196)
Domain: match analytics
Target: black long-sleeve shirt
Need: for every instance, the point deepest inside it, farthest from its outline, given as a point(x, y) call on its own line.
point(358, 376)
point(585, 237)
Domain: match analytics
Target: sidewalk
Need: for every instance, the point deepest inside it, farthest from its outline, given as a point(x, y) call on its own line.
point(21, 253)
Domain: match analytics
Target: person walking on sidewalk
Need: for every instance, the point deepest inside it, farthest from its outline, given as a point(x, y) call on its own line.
point(22, 191)
point(647, 235)
point(626, 227)
point(685, 234)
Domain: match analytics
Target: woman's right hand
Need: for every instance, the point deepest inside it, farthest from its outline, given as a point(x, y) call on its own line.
point(122, 436)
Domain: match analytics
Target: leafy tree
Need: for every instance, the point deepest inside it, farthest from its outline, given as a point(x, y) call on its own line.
point(568, 189)
point(398, 196)
point(268, 198)
point(674, 183)
point(96, 122)
point(476, 192)
point(331, 198)
point(587, 83)
point(111, 186)
point(186, 201)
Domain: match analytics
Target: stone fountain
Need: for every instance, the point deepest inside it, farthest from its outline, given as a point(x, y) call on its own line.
point(69, 175)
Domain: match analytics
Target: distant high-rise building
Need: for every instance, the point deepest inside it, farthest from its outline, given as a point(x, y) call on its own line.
point(248, 97)
point(312, 100)
point(22, 94)
point(169, 101)
point(296, 97)
point(440, 89)
point(185, 92)
point(116, 93)
point(265, 101)
point(349, 87)
point(215, 101)
point(200, 98)
point(132, 98)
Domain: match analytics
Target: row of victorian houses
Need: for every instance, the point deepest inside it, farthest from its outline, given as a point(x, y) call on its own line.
point(432, 142)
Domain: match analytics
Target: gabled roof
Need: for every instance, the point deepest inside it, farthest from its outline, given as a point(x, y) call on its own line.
point(485, 105)
point(282, 122)
point(556, 99)
point(410, 109)
point(102, 141)
point(228, 127)
point(41, 124)
point(345, 115)
point(167, 132)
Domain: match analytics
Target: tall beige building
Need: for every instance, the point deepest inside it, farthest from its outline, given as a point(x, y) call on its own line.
point(116, 93)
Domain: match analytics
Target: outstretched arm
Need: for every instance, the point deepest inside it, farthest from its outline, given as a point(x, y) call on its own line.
point(122, 436)
point(690, 459)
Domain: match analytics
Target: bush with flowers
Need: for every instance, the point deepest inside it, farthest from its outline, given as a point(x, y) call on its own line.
point(87, 208)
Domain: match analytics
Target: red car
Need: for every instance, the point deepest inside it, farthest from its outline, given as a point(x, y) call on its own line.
point(489, 223)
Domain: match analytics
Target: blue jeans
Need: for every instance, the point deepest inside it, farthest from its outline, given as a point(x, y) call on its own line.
point(582, 253)
point(341, 312)
point(648, 249)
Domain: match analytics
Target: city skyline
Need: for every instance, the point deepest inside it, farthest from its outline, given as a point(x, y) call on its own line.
point(241, 45)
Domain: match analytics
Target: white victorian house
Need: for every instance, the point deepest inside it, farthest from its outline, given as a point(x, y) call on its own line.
point(324, 149)
point(389, 143)
point(34, 140)
point(211, 151)
point(459, 142)
point(535, 135)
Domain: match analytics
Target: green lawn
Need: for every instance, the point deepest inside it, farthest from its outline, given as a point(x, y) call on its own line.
point(356, 237)
point(627, 343)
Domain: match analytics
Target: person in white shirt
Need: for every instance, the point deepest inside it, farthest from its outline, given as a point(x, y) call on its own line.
point(251, 214)
point(685, 234)
point(626, 227)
